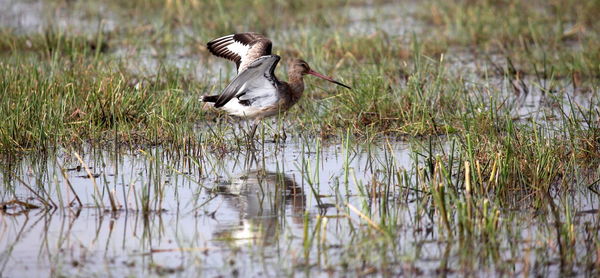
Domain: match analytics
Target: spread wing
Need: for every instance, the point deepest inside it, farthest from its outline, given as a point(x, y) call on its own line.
point(242, 48)
point(254, 86)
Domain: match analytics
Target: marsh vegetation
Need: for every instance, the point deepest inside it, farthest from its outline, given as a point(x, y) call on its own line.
point(469, 145)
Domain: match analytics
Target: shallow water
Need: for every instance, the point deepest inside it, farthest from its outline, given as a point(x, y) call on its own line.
point(29, 16)
point(227, 214)
point(207, 215)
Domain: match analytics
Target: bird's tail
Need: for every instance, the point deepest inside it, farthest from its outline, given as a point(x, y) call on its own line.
point(210, 98)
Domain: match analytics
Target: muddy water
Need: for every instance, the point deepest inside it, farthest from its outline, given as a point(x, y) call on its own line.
point(240, 214)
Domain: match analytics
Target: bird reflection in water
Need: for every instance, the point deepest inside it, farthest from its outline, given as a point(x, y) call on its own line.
point(262, 200)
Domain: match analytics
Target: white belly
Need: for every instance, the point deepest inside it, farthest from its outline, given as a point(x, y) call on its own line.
point(233, 107)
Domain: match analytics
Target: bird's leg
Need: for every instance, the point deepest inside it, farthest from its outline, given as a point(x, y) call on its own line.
point(279, 131)
point(284, 135)
point(253, 132)
point(254, 126)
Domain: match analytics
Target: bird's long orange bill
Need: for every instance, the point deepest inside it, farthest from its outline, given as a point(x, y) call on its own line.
point(312, 72)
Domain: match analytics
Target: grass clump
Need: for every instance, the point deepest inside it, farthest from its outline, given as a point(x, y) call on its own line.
point(48, 105)
point(554, 35)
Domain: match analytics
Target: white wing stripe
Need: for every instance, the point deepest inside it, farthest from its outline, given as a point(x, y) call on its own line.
point(238, 48)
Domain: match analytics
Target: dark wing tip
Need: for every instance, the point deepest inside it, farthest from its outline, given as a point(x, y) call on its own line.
point(221, 101)
point(219, 104)
point(248, 37)
point(213, 98)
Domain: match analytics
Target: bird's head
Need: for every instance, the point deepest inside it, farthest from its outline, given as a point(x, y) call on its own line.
point(302, 67)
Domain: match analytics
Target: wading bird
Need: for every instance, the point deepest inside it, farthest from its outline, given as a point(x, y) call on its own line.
point(256, 93)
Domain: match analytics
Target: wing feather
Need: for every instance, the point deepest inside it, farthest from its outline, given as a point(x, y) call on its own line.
point(241, 48)
point(256, 83)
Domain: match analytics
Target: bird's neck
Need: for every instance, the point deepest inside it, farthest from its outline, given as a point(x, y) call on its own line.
point(296, 85)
